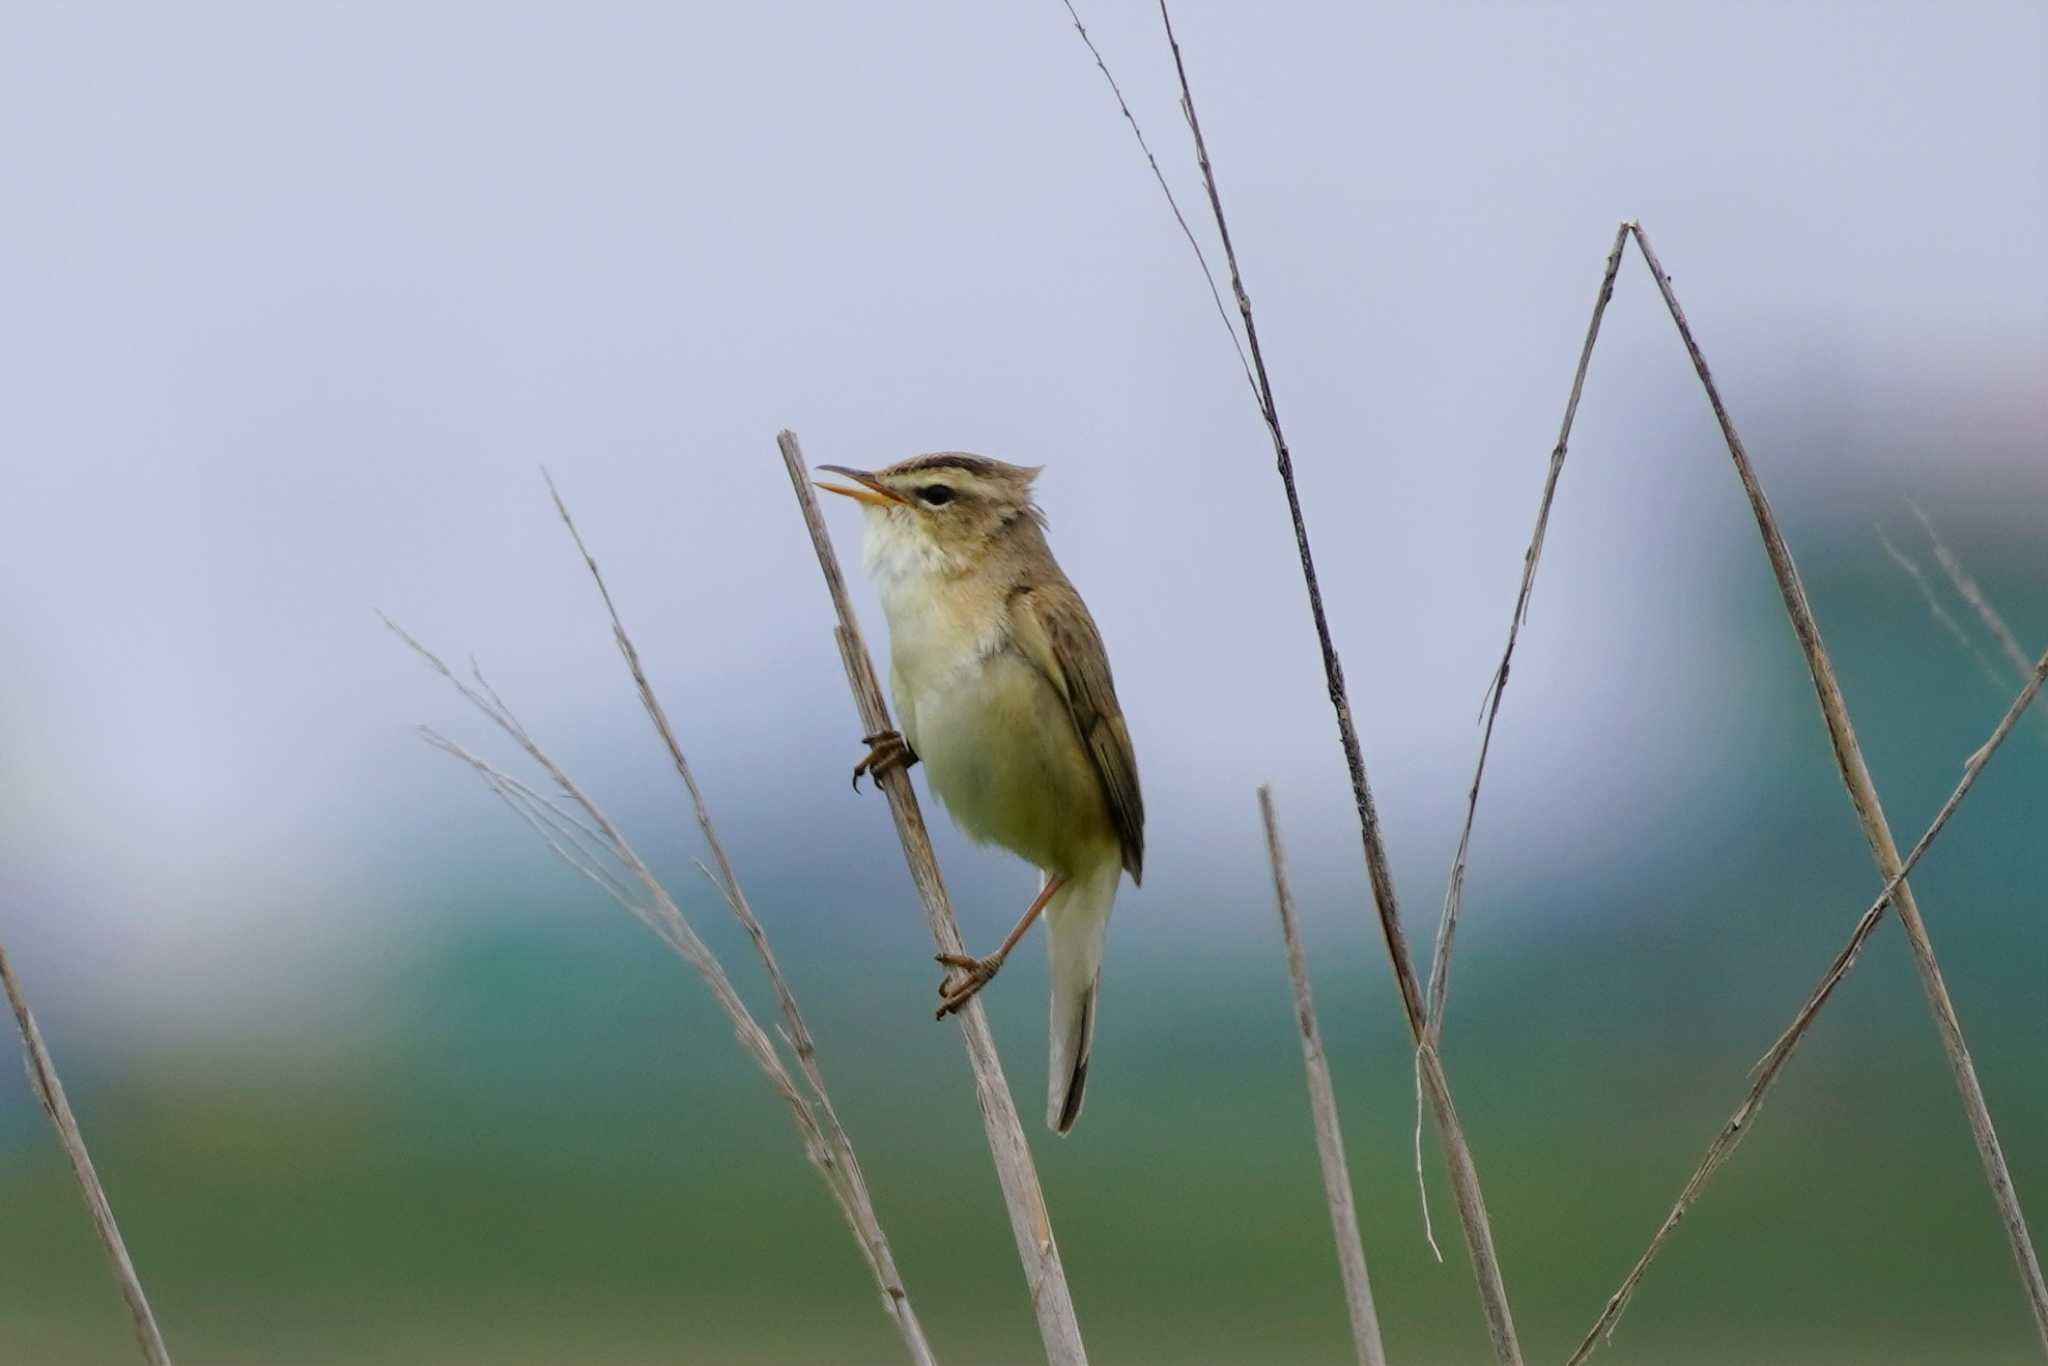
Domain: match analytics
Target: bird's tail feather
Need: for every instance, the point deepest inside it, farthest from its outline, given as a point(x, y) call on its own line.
point(1076, 920)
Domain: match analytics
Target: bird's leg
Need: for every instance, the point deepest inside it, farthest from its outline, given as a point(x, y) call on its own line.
point(979, 972)
point(887, 749)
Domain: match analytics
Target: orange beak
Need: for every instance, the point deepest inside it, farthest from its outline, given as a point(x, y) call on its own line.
point(871, 490)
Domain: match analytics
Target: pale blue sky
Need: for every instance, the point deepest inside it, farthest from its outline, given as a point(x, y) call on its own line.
point(293, 300)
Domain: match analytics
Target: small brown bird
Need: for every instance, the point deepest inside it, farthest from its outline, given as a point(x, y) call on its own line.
point(1003, 690)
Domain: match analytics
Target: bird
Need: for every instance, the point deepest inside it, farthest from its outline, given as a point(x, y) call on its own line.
point(1002, 688)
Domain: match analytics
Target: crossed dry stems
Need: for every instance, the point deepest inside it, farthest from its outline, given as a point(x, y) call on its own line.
point(1863, 798)
point(1426, 1021)
point(579, 832)
point(1431, 1079)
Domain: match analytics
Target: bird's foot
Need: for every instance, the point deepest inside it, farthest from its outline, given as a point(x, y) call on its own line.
point(976, 973)
point(887, 749)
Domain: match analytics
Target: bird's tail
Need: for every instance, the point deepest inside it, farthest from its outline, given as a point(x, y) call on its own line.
point(1076, 919)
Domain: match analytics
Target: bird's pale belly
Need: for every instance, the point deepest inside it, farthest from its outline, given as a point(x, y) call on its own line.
point(1000, 751)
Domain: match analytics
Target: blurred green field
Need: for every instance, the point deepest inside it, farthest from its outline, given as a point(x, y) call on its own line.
point(519, 1186)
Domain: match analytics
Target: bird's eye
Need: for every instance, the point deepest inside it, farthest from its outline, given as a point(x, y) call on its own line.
point(935, 494)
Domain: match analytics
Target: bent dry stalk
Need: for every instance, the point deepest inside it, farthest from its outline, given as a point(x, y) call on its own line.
point(1862, 792)
point(1454, 887)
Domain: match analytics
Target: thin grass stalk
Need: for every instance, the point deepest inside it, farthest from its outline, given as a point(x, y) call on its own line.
point(1971, 592)
point(1201, 257)
point(1765, 1074)
point(1322, 1101)
point(1044, 1273)
point(861, 1211)
point(584, 843)
point(1454, 887)
point(1870, 814)
point(1464, 1173)
point(1938, 612)
point(49, 1090)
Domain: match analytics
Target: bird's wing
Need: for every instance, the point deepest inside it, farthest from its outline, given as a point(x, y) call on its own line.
point(1053, 630)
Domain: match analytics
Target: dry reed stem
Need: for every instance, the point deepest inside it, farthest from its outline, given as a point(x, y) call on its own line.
point(42, 1076)
point(1464, 1174)
point(866, 1222)
point(1870, 814)
point(1322, 1100)
point(584, 843)
point(1044, 1273)
point(1454, 888)
point(1773, 1062)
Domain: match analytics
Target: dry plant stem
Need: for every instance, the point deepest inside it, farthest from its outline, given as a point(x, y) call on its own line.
point(1773, 1062)
point(584, 843)
point(1846, 959)
point(42, 1075)
point(1361, 790)
point(1863, 796)
point(1454, 890)
point(1044, 1274)
point(866, 1222)
point(1457, 1154)
point(1322, 1099)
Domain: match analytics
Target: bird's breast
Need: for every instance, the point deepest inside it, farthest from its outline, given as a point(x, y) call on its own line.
point(1000, 751)
point(934, 646)
point(997, 742)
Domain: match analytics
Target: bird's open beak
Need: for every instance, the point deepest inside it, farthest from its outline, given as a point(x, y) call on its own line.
point(871, 490)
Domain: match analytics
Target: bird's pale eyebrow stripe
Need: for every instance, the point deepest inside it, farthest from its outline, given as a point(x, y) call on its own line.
point(979, 466)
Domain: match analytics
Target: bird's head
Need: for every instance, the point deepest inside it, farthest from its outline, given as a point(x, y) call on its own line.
point(945, 510)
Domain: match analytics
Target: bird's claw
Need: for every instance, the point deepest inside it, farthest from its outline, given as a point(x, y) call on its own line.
point(976, 973)
point(887, 749)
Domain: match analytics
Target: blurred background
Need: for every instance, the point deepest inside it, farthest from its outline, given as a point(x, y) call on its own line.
point(296, 300)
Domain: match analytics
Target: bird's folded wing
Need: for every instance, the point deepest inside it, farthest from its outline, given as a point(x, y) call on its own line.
point(1054, 631)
